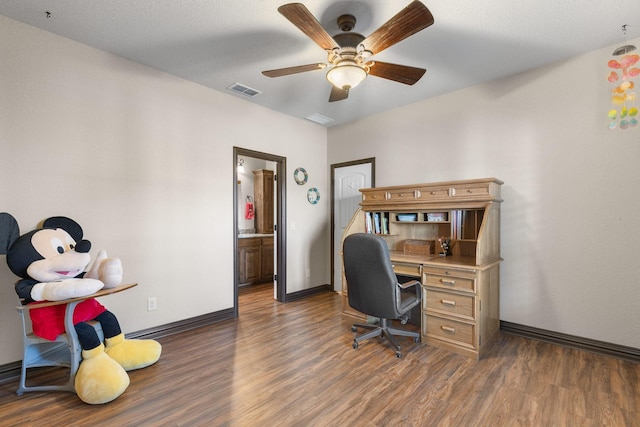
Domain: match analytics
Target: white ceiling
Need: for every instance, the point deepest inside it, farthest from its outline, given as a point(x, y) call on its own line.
point(217, 43)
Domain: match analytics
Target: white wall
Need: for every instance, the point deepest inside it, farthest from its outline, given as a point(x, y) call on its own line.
point(570, 217)
point(143, 160)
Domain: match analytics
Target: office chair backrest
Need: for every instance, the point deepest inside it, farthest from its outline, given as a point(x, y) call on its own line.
point(371, 282)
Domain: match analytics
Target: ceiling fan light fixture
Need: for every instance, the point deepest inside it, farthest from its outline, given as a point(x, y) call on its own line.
point(346, 75)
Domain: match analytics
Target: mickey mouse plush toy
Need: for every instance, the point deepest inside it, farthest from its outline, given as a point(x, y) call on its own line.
point(51, 262)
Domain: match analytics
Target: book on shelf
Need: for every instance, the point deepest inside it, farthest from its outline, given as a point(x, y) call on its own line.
point(376, 222)
point(385, 224)
point(367, 222)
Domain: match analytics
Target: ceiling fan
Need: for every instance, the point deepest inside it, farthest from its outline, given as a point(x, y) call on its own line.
point(349, 52)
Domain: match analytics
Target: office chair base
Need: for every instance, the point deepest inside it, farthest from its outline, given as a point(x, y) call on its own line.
point(385, 331)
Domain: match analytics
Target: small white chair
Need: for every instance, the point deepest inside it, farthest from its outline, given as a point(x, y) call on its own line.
point(65, 351)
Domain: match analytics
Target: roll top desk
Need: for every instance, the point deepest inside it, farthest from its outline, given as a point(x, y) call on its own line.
point(460, 309)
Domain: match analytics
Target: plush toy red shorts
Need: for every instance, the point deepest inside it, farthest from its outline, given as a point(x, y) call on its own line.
point(48, 322)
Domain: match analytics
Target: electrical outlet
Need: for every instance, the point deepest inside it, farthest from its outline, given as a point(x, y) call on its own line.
point(152, 303)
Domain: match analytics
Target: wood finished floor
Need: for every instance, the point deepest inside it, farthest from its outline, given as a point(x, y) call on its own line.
point(292, 365)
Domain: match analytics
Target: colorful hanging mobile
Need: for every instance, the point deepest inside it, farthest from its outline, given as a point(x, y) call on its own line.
point(624, 114)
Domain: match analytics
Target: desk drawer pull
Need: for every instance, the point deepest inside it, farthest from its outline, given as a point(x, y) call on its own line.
point(448, 281)
point(448, 302)
point(448, 329)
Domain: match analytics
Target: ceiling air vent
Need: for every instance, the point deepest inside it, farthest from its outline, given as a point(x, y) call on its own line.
point(245, 90)
point(319, 118)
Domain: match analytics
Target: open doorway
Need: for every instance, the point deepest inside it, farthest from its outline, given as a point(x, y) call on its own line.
point(266, 166)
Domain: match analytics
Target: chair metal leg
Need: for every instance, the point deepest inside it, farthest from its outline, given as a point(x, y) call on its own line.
point(376, 332)
point(385, 331)
point(390, 338)
point(355, 326)
point(65, 352)
point(403, 333)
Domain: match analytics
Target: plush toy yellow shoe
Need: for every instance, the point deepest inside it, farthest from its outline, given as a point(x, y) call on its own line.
point(99, 379)
point(133, 354)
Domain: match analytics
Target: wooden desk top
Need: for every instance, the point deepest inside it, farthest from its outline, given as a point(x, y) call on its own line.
point(431, 260)
point(100, 293)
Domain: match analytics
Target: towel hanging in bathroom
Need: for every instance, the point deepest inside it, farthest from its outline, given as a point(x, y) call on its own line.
point(249, 210)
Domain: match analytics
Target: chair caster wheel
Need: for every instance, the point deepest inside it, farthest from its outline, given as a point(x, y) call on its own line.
point(416, 339)
point(355, 344)
point(399, 354)
point(354, 329)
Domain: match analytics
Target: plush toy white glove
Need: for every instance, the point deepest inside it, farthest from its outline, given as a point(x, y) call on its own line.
point(65, 289)
point(107, 270)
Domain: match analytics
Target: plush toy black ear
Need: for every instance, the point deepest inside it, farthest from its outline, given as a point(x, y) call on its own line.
point(9, 232)
point(67, 224)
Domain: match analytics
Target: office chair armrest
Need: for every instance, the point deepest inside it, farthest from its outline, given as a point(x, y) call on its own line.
point(409, 284)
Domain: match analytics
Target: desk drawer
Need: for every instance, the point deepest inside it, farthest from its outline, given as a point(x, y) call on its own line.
point(413, 270)
point(450, 279)
point(433, 193)
point(448, 303)
point(399, 196)
point(372, 197)
point(470, 191)
point(449, 330)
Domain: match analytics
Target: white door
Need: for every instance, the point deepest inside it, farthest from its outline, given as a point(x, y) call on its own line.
point(347, 181)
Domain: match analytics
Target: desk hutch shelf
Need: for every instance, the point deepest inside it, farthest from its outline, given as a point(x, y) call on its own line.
point(461, 291)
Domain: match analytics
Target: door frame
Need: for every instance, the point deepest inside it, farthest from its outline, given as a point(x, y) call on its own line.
point(280, 221)
point(335, 166)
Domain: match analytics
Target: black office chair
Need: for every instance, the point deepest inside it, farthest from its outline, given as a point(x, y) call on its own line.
point(374, 289)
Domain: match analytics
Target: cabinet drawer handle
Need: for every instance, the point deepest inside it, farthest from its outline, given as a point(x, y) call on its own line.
point(387, 195)
point(417, 194)
point(448, 329)
point(448, 281)
point(448, 302)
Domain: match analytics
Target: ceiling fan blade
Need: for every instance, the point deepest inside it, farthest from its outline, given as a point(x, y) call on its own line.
point(399, 73)
point(338, 94)
point(293, 70)
point(413, 18)
point(300, 16)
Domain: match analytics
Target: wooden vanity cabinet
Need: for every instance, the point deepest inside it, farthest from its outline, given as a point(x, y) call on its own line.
point(255, 260)
point(461, 291)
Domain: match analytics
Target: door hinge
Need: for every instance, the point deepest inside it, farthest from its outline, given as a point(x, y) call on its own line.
point(275, 277)
point(275, 227)
point(275, 177)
